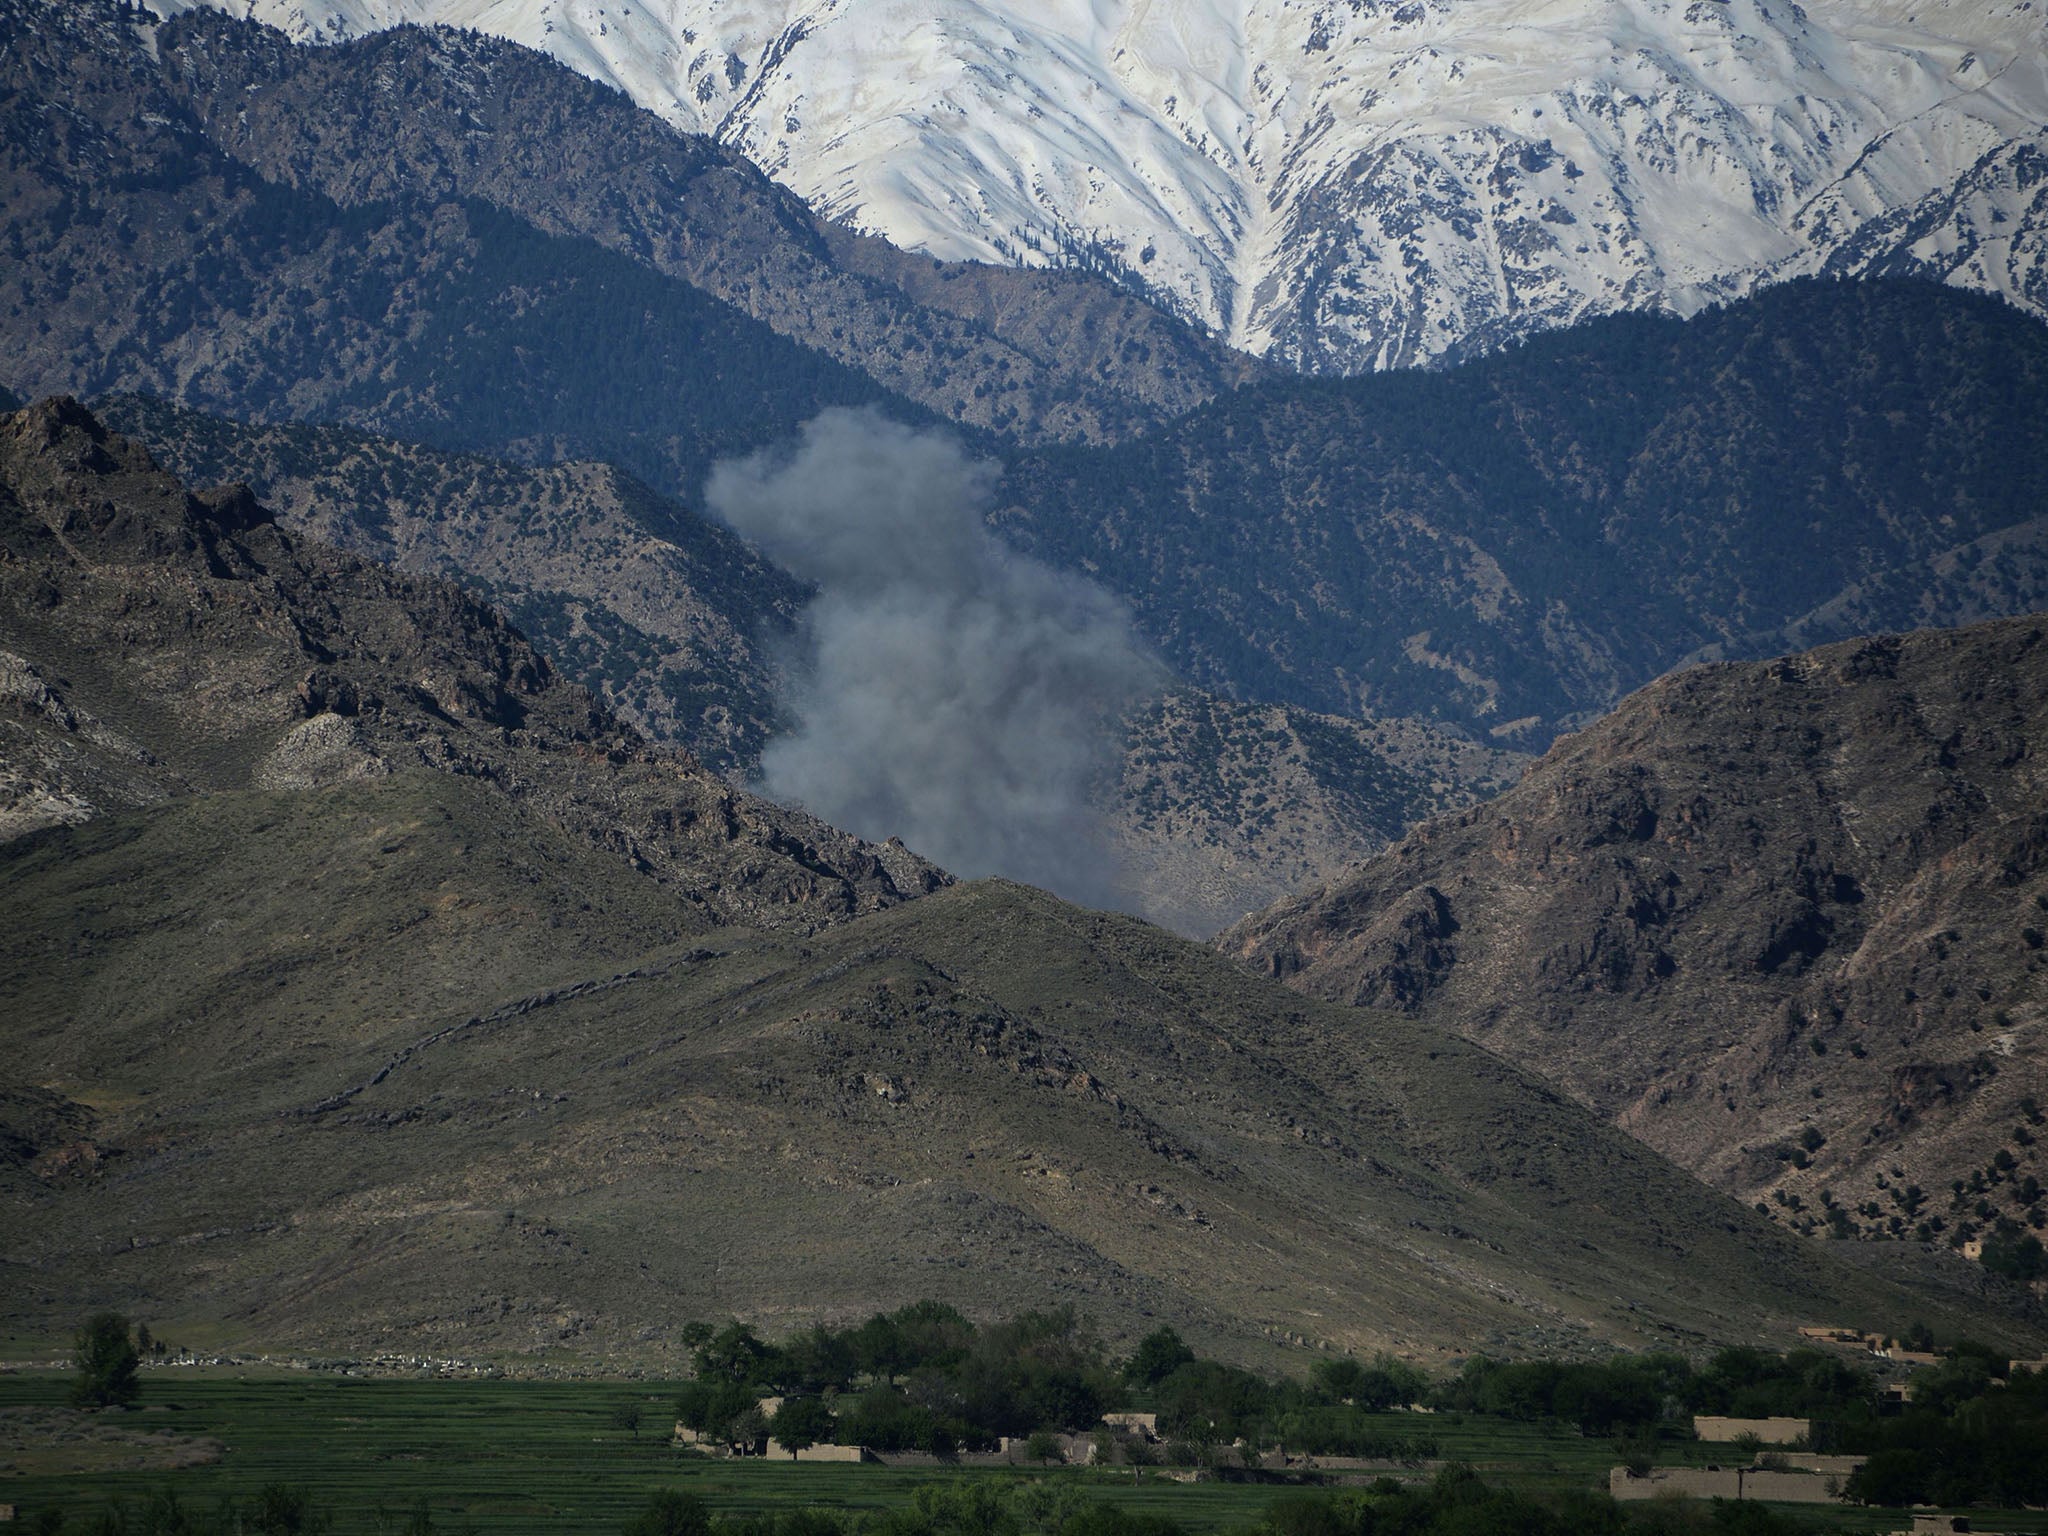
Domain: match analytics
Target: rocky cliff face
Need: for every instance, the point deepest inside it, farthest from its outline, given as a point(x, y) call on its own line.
point(160, 643)
point(1221, 807)
point(1369, 183)
point(1783, 922)
point(666, 616)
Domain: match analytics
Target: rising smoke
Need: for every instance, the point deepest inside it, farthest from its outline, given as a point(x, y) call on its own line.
point(950, 691)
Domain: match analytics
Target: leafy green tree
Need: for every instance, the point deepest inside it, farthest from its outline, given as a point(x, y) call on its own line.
point(2018, 1258)
point(1386, 1383)
point(1043, 1446)
point(801, 1422)
point(1637, 1450)
point(1340, 1377)
point(106, 1360)
point(1158, 1355)
point(748, 1427)
point(709, 1406)
point(163, 1515)
point(1893, 1478)
point(958, 1508)
point(735, 1353)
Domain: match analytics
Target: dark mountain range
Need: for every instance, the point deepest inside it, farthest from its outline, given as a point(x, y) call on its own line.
point(160, 644)
point(139, 256)
point(406, 1007)
point(457, 239)
point(1782, 922)
point(1517, 543)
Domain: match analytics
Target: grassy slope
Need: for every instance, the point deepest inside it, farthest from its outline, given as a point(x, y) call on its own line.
point(988, 1096)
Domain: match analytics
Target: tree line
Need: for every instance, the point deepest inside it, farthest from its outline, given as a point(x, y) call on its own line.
point(926, 1378)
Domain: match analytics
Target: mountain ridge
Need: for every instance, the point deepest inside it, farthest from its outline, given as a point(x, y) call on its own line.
point(1219, 807)
point(1517, 543)
point(415, 1004)
point(1366, 184)
point(475, 120)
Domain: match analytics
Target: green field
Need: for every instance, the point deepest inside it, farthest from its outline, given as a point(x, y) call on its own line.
point(549, 1457)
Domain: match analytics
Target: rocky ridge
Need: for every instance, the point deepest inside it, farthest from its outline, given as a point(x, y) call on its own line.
point(666, 616)
point(161, 644)
point(396, 1065)
point(1780, 921)
point(406, 231)
point(1516, 544)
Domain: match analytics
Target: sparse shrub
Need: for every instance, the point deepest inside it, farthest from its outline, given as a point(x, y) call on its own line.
point(287, 1509)
point(670, 1513)
point(1043, 1446)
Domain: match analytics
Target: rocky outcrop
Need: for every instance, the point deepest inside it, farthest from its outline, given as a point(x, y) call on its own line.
point(1222, 807)
point(1781, 921)
point(231, 653)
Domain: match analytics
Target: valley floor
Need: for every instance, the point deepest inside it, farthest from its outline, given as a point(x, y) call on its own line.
point(520, 1457)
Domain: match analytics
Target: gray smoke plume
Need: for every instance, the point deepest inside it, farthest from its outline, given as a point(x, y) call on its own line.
point(952, 692)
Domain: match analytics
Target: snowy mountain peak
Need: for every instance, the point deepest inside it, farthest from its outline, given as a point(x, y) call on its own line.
point(1347, 184)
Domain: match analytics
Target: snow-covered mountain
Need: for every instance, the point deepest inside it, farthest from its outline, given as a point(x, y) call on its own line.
point(1348, 184)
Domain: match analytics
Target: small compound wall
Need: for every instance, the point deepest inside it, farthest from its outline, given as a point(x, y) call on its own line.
point(1725, 1483)
point(1769, 1431)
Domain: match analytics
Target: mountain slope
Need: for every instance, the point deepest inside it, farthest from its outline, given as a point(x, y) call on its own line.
point(143, 258)
point(398, 996)
point(1218, 808)
point(1783, 922)
point(413, 230)
point(1519, 542)
point(497, 1131)
point(1369, 183)
point(1222, 807)
point(159, 644)
point(665, 615)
